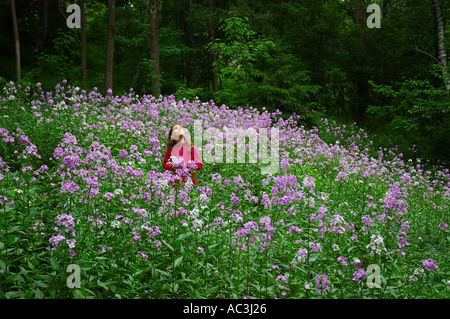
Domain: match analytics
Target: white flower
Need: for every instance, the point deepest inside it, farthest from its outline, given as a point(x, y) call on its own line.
point(118, 191)
point(197, 224)
point(194, 213)
point(162, 183)
point(115, 224)
point(323, 196)
point(309, 180)
point(188, 184)
point(376, 245)
point(418, 271)
point(176, 160)
point(18, 191)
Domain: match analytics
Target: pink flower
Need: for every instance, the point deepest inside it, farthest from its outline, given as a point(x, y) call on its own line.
point(343, 260)
point(142, 255)
point(322, 282)
point(430, 265)
point(357, 275)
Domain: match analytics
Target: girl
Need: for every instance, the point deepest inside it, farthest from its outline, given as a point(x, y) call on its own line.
point(180, 147)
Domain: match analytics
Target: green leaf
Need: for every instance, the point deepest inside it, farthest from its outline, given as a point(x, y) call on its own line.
point(2, 266)
point(54, 263)
point(39, 294)
point(12, 294)
point(165, 243)
point(176, 244)
point(163, 272)
point(178, 261)
point(392, 293)
point(101, 258)
point(10, 240)
point(313, 257)
point(211, 290)
point(77, 294)
point(101, 284)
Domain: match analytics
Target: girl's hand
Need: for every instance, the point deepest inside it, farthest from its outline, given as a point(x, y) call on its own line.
point(177, 161)
point(191, 165)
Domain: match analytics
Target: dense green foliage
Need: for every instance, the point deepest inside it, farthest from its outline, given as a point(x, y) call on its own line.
point(295, 56)
point(336, 206)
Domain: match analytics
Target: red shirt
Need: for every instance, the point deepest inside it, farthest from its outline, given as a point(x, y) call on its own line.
point(195, 156)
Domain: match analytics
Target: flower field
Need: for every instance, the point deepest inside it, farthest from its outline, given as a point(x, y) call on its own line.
point(334, 222)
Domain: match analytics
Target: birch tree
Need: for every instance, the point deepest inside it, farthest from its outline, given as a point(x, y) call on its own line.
point(442, 54)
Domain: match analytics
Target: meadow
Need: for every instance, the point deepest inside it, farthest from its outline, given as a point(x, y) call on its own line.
point(340, 219)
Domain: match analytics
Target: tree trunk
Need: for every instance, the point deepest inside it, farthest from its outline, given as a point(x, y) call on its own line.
point(442, 54)
point(437, 81)
point(214, 54)
point(361, 58)
point(194, 67)
point(83, 46)
point(110, 46)
point(16, 39)
point(154, 47)
point(42, 11)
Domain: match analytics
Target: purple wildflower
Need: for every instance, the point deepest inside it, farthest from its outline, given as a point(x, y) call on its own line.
point(322, 283)
point(430, 265)
point(357, 275)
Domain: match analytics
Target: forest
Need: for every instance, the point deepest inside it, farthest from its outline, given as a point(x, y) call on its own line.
point(315, 58)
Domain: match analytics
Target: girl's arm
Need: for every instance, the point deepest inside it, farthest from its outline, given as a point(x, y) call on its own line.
point(167, 165)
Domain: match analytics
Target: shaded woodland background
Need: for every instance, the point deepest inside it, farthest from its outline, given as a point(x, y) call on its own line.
point(316, 58)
